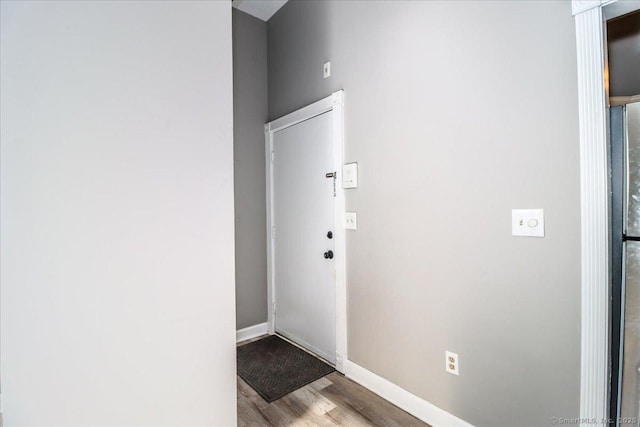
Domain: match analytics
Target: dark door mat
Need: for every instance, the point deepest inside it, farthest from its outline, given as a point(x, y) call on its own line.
point(273, 367)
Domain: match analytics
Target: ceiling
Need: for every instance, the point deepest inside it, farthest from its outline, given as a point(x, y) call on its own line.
point(261, 9)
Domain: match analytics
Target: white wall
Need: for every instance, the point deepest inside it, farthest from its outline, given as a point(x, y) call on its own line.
point(117, 213)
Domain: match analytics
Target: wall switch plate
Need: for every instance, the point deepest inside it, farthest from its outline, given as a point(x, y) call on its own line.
point(350, 175)
point(350, 221)
point(527, 222)
point(327, 69)
point(451, 360)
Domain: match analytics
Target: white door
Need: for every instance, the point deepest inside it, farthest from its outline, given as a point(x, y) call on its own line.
point(303, 217)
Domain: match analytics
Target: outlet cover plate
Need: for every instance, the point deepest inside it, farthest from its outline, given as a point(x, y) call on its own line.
point(451, 360)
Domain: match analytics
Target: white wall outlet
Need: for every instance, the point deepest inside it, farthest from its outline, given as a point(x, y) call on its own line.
point(350, 220)
point(327, 69)
point(451, 360)
point(350, 175)
point(527, 222)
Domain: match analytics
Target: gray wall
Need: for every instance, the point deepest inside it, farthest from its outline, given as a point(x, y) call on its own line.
point(457, 112)
point(623, 40)
point(250, 115)
point(117, 214)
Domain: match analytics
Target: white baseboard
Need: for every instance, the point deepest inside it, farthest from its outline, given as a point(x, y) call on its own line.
point(400, 397)
point(251, 332)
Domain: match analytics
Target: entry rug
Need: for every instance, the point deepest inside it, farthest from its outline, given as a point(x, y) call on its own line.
point(274, 368)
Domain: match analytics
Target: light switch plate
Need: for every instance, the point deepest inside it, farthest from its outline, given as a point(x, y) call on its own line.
point(326, 69)
point(350, 221)
point(350, 175)
point(527, 222)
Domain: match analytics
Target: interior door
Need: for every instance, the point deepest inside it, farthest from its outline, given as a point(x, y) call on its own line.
point(303, 217)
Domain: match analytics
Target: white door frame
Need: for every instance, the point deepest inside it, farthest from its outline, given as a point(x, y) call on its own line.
point(334, 103)
point(593, 102)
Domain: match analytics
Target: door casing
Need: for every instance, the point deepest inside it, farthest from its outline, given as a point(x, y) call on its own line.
point(595, 374)
point(334, 103)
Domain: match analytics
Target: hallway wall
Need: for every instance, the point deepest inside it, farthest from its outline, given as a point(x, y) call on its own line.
point(249, 116)
point(456, 112)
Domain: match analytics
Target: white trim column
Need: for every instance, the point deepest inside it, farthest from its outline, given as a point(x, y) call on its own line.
point(339, 234)
point(594, 370)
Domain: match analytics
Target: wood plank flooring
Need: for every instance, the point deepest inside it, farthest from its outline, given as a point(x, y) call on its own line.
point(333, 400)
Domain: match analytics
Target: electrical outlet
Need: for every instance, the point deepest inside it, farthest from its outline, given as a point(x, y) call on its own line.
point(451, 362)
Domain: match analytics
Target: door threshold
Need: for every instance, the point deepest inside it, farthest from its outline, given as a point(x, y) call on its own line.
point(306, 350)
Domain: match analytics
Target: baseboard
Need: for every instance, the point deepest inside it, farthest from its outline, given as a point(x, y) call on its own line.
point(251, 332)
point(400, 397)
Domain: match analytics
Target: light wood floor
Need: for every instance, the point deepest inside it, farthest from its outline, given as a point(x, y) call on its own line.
point(330, 401)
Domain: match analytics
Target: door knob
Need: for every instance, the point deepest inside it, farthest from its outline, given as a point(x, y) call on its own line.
point(330, 235)
point(328, 255)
